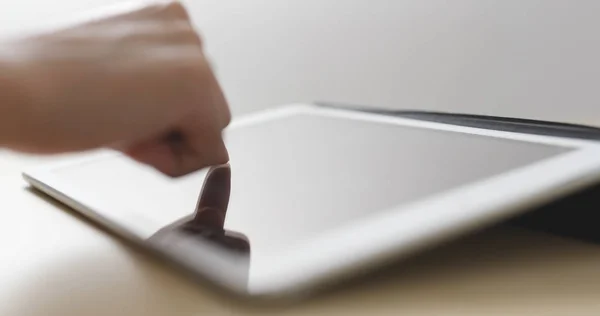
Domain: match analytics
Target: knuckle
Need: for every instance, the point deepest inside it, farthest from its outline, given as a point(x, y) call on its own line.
point(196, 37)
point(227, 117)
point(186, 33)
point(180, 23)
point(176, 9)
point(189, 36)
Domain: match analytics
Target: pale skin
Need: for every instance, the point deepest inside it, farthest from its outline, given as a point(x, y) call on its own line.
point(136, 81)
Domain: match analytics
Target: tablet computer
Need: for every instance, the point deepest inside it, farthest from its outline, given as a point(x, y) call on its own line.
point(312, 195)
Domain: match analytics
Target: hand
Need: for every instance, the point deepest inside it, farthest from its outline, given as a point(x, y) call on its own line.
point(136, 81)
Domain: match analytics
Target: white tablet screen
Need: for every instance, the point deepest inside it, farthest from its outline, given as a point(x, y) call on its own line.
point(296, 177)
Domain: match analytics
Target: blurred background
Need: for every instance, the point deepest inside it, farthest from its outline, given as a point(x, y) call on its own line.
point(527, 58)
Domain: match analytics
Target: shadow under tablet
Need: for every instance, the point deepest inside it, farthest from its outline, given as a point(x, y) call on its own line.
point(574, 216)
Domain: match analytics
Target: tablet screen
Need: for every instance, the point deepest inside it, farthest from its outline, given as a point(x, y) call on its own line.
point(297, 177)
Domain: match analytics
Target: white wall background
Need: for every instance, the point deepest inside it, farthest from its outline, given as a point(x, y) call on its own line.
point(533, 58)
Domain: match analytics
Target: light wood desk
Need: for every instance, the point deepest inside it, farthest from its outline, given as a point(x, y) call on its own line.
point(272, 52)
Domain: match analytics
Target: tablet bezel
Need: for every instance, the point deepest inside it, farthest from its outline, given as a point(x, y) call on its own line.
point(392, 234)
